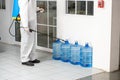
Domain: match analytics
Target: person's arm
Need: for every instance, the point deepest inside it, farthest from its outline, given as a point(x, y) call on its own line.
point(23, 5)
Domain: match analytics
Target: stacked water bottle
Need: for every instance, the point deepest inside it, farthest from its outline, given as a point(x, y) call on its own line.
point(74, 53)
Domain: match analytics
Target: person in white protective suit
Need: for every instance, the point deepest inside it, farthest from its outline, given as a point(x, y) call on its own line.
point(28, 21)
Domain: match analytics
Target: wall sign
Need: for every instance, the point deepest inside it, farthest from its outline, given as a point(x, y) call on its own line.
point(100, 3)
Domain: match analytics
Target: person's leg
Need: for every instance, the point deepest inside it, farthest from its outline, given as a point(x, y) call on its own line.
point(26, 47)
point(33, 55)
point(32, 40)
point(33, 25)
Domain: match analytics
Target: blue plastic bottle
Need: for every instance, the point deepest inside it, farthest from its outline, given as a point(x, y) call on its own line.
point(65, 51)
point(57, 49)
point(75, 54)
point(86, 56)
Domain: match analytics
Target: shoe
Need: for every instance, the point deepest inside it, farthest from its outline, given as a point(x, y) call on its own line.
point(35, 61)
point(28, 63)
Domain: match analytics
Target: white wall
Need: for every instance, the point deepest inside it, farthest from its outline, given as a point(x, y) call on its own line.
point(5, 21)
point(94, 29)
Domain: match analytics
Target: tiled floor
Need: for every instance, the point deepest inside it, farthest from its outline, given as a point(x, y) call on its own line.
point(48, 69)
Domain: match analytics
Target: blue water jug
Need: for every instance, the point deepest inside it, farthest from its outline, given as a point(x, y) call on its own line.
point(65, 57)
point(57, 49)
point(75, 54)
point(86, 56)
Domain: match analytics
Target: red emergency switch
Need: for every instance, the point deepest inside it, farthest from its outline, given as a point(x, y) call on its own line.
point(101, 4)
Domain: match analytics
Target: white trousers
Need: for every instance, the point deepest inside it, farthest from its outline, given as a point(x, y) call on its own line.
point(28, 19)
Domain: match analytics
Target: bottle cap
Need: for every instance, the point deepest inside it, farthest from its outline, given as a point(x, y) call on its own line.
point(86, 45)
point(57, 40)
point(76, 43)
point(66, 42)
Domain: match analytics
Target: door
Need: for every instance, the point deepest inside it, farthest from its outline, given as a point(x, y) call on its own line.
point(46, 23)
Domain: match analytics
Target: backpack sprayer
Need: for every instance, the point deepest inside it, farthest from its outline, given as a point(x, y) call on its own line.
point(16, 18)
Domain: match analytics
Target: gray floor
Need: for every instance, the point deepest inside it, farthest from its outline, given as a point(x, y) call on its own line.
point(48, 69)
point(104, 76)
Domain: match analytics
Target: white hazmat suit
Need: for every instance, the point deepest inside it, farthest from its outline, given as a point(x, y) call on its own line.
point(28, 21)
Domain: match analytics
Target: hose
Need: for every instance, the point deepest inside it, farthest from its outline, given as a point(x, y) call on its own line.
point(10, 29)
